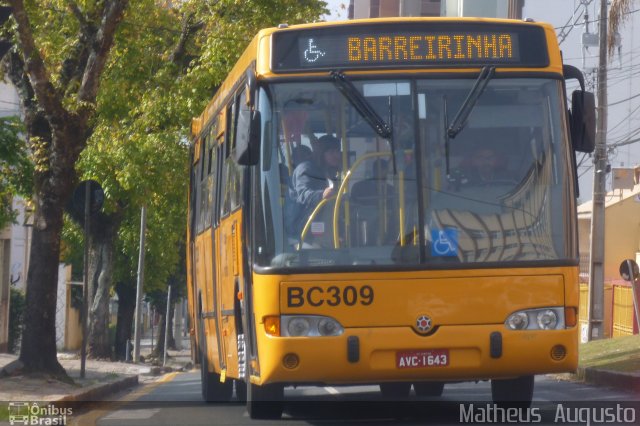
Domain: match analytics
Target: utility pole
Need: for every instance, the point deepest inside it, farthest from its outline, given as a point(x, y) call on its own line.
point(138, 319)
point(596, 269)
point(86, 290)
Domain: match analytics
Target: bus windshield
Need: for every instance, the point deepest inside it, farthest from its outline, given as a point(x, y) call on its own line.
point(335, 190)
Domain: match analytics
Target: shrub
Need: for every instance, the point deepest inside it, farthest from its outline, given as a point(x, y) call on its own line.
point(16, 313)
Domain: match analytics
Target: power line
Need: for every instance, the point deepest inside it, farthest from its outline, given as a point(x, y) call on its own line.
point(624, 100)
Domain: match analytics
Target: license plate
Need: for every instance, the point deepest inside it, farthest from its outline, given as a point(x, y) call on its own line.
point(422, 358)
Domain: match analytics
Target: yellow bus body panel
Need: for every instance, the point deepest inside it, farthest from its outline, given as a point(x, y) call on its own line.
point(466, 306)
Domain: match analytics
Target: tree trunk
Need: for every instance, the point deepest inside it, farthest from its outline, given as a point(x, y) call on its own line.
point(126, 310)
point(38, 350)
point(99, 345)
point(158, 349)
point(101, 254)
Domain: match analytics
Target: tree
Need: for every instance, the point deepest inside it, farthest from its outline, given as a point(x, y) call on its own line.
point(158, 81)
point(57, 68)
point(618, 14)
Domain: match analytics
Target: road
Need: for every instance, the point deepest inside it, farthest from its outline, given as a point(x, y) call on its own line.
point(176, 401)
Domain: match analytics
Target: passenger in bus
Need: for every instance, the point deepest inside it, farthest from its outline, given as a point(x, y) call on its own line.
point(300, 154)
point(312, 181)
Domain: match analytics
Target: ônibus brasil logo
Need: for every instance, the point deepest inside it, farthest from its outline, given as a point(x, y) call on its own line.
point(28, 413)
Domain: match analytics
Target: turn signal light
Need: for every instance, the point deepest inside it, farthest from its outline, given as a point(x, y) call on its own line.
point(570, 316)
point(272, 325)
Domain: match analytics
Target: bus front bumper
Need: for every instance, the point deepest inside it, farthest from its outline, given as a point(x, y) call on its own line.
point(375, 355)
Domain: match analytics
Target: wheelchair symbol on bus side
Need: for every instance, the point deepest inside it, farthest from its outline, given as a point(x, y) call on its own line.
point(312, 54)
point(444, 242)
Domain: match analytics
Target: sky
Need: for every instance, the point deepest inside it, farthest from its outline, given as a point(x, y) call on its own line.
point(623, 90)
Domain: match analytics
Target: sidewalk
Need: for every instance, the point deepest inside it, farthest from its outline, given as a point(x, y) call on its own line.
point(102, 378)
point(628, 381)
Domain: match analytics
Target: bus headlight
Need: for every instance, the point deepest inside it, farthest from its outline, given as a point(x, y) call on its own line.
point(310, 326)
point(329, 327)
point(518, 321)
point(536, 319)
point(547, 319)
point(298, 327)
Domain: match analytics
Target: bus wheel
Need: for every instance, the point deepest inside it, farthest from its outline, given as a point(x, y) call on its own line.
point(513, 392)
point(428, 388)
point(395, 390)
point(212, 389)
point(265, 402)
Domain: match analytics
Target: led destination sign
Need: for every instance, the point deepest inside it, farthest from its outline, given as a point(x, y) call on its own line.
point(413, 45)
point(442, 47)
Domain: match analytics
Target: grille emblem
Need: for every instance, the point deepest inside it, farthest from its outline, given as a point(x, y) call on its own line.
point(423, 324)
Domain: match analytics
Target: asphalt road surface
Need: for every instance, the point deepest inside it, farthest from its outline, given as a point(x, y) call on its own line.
point(177, 401)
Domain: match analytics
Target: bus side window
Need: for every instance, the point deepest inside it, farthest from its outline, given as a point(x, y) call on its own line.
point(212, 169)
point(232, 173)
point(227, 160)
point(201, 183)
point(192, 196)
point(241, 118)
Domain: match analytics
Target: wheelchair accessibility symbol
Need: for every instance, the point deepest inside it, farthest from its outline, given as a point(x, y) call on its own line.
point(312, 53)
point(444, 242)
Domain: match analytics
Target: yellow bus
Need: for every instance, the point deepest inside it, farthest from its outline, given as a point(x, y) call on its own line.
point(408, 263)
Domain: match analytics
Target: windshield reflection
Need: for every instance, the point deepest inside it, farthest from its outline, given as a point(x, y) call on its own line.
point(336, 193)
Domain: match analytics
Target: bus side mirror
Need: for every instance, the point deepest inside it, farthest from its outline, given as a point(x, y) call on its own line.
point(629, 270)
point(583, 121)
point(248, 141)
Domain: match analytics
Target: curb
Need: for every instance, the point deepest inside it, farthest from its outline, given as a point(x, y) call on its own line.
point(629, 382)
point(99, 391)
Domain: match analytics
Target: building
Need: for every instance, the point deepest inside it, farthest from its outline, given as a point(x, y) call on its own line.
point(621, 241)
point(487, 8)
point(622, 229)
point(12, 238)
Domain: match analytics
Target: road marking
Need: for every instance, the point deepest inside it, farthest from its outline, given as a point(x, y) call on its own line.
point(105, 407)
point(136, 414)
point(332, 390)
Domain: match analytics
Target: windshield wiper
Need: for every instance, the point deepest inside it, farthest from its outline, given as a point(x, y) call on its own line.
point(451, 131)
point(461, 117)
point(364, 108)
point(361, 105)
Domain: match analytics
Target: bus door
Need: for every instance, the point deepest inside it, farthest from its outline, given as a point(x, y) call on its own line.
point(204, 248)
point(230, 252)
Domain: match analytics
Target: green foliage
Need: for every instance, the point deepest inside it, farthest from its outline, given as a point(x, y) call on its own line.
point(16, 169)
point(139, 148)
point(16, 314)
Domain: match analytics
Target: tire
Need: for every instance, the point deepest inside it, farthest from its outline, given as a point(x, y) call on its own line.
point(265, 402)
point(429, 388)
point(395, 390)
point(516, 392)
point(212, 389)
